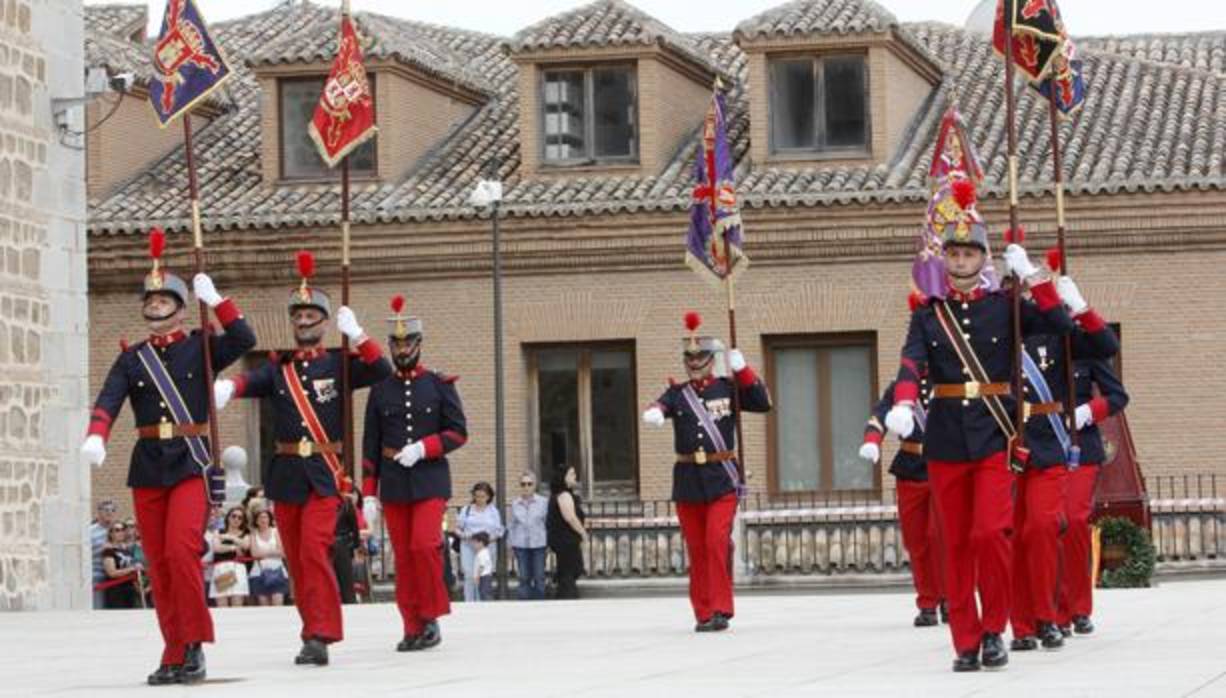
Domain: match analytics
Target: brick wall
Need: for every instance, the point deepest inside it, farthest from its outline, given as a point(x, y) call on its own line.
point(412, 119)
point(112, 161)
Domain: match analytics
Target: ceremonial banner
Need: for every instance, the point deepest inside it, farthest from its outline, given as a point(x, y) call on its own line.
point(713, 243)
point(187, 65)
point(345, 115)
point(1037, 34)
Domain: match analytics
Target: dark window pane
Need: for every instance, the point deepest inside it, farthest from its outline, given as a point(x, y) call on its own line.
point(850, 392)
point(614, 118)
point(792, 99)
point(613, 423)
point(563, 111)
point(299, 157)
point(797, 434)
point(844, 102)
point(558, 401)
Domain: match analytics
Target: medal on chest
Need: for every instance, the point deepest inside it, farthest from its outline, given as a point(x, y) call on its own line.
point(719, 407)
point(325, 389)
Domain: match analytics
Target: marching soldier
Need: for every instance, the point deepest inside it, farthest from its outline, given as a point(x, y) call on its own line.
point(1077, 589)
point(163, 377)
point(916, 517)
point(306, 477)
point(966, 343)
point(413, 419)
point(706, 484)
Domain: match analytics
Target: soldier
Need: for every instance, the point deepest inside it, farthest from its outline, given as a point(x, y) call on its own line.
point(1077, 589)
point(706, 484)
point(163, 377)
point(1039, 503)
point(966, 343)
point(916, 516)
point(413, 419)
point(306, 477)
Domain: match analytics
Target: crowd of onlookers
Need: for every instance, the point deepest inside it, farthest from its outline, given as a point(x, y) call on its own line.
point(243, 563)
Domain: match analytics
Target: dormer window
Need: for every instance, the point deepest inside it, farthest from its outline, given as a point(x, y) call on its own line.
point(299, 156)
point(589, 115)
point(819, 105)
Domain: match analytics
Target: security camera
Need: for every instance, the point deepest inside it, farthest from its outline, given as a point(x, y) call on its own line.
point(122, 82)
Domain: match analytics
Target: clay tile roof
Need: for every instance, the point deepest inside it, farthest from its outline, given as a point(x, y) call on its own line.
point(818, 17)
point(116, 55)
point(1200, 50)
point(118, 20)
point(605, 23)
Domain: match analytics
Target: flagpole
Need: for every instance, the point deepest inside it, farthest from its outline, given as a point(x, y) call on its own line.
point(1016, 293)
point(1070, 394)
point(205, 328)
point(347, 444)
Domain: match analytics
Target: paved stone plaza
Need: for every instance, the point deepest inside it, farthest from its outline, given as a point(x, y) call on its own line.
point(1167, 641)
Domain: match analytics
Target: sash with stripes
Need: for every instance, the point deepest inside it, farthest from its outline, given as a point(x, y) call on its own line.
point(970, 361)
point(305, 410)
point(717, 437)
point(1043, 390)
point(174, 402)
point(921, 415)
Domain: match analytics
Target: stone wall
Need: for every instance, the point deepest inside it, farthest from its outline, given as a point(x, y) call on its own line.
point(44, 496)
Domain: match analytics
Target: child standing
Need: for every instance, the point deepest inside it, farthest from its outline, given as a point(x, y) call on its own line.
point(483, 566)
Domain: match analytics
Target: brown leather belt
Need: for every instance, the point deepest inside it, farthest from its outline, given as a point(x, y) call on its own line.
point(970, 390)
point(306, 449)
point(911, 447)
point(1034, 409)
point(169, 430)
point(702, 457)
point(390, 453)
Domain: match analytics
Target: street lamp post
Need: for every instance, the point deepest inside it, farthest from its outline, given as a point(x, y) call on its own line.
point(488, 194)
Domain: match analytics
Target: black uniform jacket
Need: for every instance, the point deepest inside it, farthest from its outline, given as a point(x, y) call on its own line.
point(906, 465)
point(1089, 374)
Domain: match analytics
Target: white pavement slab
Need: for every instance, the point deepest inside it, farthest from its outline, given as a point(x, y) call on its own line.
point(1168, 641)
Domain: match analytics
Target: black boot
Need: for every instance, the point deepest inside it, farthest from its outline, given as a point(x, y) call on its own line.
point(406, 645)
point(193, 664)
point(719, 622)
point(430, 637)
point(165, 675)
point(967, 661)
point(1049, 636)
point(1024, 644)
point(944, 613)
point(927, 618)
point(1066, 631)
point(1082, 625)
point(314, 651)
point(705, 626)
point(994, 653)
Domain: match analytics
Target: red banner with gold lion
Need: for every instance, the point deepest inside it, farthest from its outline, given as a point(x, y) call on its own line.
point(345, 115)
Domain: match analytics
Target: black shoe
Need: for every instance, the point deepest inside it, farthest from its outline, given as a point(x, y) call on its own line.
point(994, 653)
point(1082, 625)
point(944, 613)
point(406, 645)
point(705, 626)
point(967, 661)
point(1066, 631)
point(1050, 637)
point(314, 651)
point(719, 622)
point(430, 637)
point(1024, 644)
point(193, 670)
point(927, 618)
point(165, 675)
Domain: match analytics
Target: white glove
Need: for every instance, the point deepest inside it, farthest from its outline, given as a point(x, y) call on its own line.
point(1071, 295)
point(1083, 416)
point(1018, 263)
point(370, 509)
point(93, 450)
point(736, 360)
point(202, 285)
point(410, 454)
point(347, 323)
point(223, 391)
point(654, 416)
point(900, 420)
point(870, 452)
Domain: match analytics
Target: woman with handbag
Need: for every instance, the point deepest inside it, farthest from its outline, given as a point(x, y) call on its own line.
point(229, 587)
point(269, 581)
point(479, 516)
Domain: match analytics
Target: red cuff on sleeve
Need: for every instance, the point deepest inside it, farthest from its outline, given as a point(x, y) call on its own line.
point(370, 486)
point(240, 384)
point(1100, 409)
point(905, 391)
point(227, 312)
point(1091, 321)
point(370, 351)
point(434, 446)
point(746, 377)
point(1045, 295)
point(100, 424)
point(872, 436)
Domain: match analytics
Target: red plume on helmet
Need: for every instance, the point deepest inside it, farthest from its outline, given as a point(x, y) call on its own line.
point(1055, 260)
point(964, 193)
point(397, 303)
point(157, 243)
point(306, 264)
point(693, 321)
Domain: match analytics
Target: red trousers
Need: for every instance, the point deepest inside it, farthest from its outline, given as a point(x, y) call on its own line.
point(307, 533)
point(1077, 589)
point(707, 529)
point(917, 519)
point(1038, 519)
point(171, 521)
point(974, 504)
point(416, 530)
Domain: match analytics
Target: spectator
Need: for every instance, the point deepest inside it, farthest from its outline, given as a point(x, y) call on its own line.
point(217, 518)
point(229, 586)
point(526, 537)
point(348, 537)
point(255, 492)
point(133, 541)
point(564, 524)
point(479, 516)
point(117, 564)
point(269, 582)
point(483, 566)
point(99, 529)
